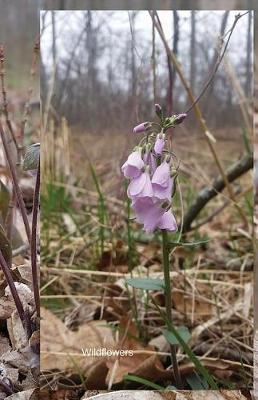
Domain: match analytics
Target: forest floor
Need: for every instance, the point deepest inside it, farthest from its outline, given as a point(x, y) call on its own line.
point(89, 247)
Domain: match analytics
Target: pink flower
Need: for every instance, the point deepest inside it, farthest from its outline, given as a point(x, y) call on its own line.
point(140, 128)
point(159, 145)
point(168, 222)
point(162, 182)
point(140, 186)
point(149, 160)
point(148, 213)
point(133, 166)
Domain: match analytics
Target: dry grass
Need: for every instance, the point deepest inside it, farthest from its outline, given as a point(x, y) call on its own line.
point(212, 284)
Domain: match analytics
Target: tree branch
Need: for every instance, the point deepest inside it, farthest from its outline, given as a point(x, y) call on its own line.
point(205, 195)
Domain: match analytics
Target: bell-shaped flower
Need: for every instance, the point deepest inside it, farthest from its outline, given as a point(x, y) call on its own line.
point(132, 168)
point(148, 212)
point(140, 186)
point(168, 222)
point(159, 144)
point(162, 182)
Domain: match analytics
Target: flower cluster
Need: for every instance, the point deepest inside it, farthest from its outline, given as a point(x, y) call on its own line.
point(150, 171)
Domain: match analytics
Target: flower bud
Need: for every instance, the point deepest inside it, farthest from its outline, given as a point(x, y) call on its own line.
point(179, 118)
point(141, 127)
point(159, 144)
point(158, 110)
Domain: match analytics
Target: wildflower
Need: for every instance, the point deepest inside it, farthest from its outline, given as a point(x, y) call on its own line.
point(162, 182)
point(159, 144)
point(148, 212)
point(133, 166)
point(152, 186)
point(140, 186)
point(168, 222)
point(150, 161)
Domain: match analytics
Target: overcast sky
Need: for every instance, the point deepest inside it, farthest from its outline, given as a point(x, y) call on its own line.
point(115, 27)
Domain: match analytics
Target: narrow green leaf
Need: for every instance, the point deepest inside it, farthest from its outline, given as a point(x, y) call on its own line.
point(169, 335)
point(183, 331)
point(196, 382)
point(181, 244)
point(31, 159)
point(134, 378)
point(146, 283)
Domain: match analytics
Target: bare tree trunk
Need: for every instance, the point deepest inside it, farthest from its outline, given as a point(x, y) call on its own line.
point(248, 81)
point(193, 51)
point(171, 69)
point(133, 100)
point(53, 37)
point(213, 61)
point(175, 40)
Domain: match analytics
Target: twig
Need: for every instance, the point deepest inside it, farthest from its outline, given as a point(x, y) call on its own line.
point(33, 243)
point(10, 282)
point(30, 91)
point(6, 388)
point(153, 56)
point(208, 193)
point(198, 115)
point(217, 64)
point(16, 186)
point(218, 210)
point(9, 216)
point(22, 249)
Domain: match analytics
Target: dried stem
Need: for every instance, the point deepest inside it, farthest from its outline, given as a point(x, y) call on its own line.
point(33, 243)
point(4, 96)
point(30, 91)
point(9, 216)
point(16, 186)
point(218, 62)
point(198, 116)
point(6, 388)
point(10, 282)
point(153, 56)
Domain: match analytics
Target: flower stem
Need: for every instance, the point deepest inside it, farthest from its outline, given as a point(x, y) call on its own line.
point(165, 248)
point(33, 243)
point(16, 186)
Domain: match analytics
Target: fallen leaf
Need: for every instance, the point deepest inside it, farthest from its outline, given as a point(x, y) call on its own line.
point(25, 395)
point(62, 349)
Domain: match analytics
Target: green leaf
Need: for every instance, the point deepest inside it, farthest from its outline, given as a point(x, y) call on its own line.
point(134, 378)
point(183, 331)
point(4, 200)
point(190, 243)
point(246, 141)
point(146, 283)
point(196, 382)
point(169, 335)
point(171, 387)
point(31, 159)
point(5, 246)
